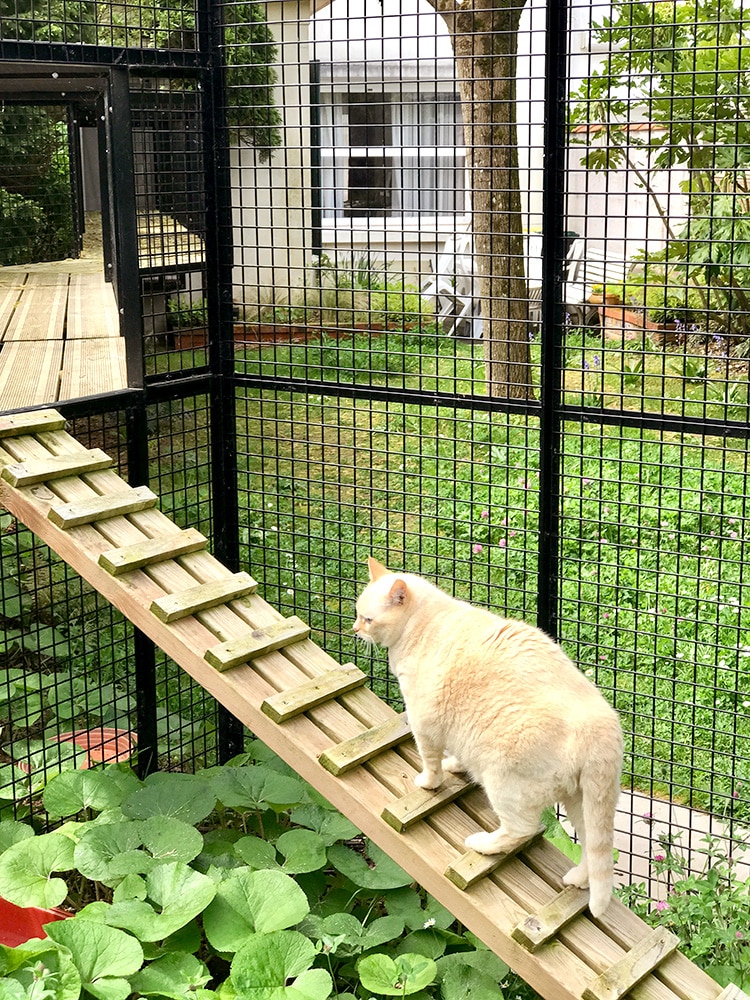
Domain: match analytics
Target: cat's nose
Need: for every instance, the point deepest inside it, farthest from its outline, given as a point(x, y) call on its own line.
point(355, 627)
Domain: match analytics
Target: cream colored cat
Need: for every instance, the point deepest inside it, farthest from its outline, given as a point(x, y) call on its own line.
point(509, 708)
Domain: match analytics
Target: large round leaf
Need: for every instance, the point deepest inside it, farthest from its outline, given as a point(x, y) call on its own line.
point(275, 966)
point(75, 791)
point(179, 894)
point(253, 901)
point(103, 955)
point(179, 976)
point(385, 874)
point(26, 867)
point(303, 850)
point(110, 852)
point(187, 797)
point(12, 831)
point(406, 975)
point(256, 787)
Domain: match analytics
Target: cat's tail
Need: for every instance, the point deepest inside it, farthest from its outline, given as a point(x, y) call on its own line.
point(600, 786)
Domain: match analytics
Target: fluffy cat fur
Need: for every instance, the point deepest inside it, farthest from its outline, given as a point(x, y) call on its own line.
point(498, 699)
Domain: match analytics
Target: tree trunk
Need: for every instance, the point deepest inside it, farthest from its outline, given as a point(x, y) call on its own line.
point(485, 37)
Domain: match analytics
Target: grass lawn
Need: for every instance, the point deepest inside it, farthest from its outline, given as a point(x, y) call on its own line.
point(654, 599)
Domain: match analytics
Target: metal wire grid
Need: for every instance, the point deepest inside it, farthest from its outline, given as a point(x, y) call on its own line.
point(387, 440)
point(66, 662)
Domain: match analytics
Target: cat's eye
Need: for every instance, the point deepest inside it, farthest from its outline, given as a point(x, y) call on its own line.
point(367, 621)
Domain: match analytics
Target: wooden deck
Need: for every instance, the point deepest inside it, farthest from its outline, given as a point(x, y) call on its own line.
point(59, 334)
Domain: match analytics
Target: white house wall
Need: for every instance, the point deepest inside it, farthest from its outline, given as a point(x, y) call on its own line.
point(273, 201)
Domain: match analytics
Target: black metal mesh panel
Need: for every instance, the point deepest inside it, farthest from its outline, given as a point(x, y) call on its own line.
point(66, 659)
point(180, 472)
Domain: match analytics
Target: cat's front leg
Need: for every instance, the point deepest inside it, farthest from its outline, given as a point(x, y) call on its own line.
point(431, 775)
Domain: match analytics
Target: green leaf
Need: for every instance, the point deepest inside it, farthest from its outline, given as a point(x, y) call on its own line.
point(407, 904)
point(186, 797)
point(26, 867)
point(60, 978)
point(103, 955)
point(463, 982)
point(406, 975)
point(304, 851)
point(276, 966)
point(179, 976)
point(385, 874)
point(257, 787)
point(179, 893)
point(253, 902)
point(256, 853)
point(13, 832)
point(108, 853)
point(75, 791)
point(327, 822)
point(170, 839)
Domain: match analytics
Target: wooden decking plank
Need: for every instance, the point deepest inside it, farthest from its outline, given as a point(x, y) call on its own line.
point(29, 373)
point(9, 296)
point(99, 508)
point(92, 309)
point(92, 367)
point(422, 802)
point(229, 654)
point(29, 422)
point(426, 848)
point(641, 960)
point(365, 745)
point(130, 557)
point(172, 607)
point(44, 470)
point(40, 311)
point(540, 927)
point(313, 692)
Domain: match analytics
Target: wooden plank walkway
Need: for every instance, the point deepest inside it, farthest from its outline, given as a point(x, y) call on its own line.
point(59, 334)
point(350, 746)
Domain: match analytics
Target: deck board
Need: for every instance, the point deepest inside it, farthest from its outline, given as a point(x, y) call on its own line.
point(90, 367)
point(59, 334)
point(40, 311)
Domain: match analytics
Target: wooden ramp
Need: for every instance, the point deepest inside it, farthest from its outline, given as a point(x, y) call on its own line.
point(322, 719)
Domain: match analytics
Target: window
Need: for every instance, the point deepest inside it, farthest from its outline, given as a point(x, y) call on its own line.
point(386, 154)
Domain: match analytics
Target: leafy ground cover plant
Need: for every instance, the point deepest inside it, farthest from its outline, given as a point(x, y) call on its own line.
point(706, 910)
point(237, 881)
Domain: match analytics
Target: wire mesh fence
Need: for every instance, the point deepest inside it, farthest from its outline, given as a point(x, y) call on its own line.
point(489, 325)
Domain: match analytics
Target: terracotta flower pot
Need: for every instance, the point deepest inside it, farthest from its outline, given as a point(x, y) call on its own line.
point(21, 923)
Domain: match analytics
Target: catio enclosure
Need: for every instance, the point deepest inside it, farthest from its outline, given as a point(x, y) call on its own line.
point(367, 289)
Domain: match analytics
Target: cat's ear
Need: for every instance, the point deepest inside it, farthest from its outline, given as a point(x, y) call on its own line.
point(376, 569)
point(397, 593)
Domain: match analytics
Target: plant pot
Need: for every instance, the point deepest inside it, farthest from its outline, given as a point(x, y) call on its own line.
point(189, 338)
point(630, 323)
point(21, 923)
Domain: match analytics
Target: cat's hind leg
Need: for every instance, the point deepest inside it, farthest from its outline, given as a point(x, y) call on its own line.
point(578, 876)
point(452, 765)
point(518, 815)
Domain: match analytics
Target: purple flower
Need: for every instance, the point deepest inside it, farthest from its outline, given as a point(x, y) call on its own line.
point(476, 549)
point(502, 543)
point(661, 905)
point(484, 513)
point(658, 858)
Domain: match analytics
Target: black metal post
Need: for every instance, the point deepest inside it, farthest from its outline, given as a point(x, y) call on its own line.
point(553, 253)
point(219, 263)
point(145, 652)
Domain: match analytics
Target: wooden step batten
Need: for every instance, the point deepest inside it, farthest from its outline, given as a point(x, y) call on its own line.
point(260, 656)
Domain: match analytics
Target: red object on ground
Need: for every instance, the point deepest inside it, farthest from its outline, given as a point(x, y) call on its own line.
point(20, 923)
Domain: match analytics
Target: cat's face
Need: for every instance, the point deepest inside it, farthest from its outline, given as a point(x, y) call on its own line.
point(380, 606)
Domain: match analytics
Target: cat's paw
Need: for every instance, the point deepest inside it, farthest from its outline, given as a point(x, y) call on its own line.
point(428, 779)
point(453, 765)
point(490, 843)
point(577, 876)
